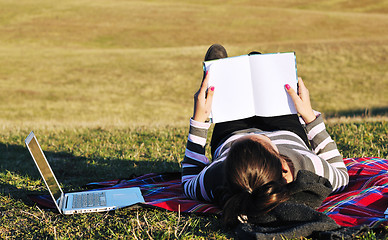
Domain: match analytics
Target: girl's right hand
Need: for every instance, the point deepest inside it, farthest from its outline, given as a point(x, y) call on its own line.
point(302, 101)
point(203, 101)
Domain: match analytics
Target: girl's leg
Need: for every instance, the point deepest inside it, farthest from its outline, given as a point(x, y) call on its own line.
point(288, 122)
point(223, 130)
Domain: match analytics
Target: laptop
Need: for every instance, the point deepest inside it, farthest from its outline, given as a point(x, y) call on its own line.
point(80, 202)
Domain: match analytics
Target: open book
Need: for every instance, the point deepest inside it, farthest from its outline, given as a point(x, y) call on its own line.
point(252, 85)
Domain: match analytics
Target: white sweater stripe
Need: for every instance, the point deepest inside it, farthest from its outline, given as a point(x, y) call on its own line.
point(198, 140)
point(330, 154)
point(323, 144)
point(196, 156)
point(316, 130)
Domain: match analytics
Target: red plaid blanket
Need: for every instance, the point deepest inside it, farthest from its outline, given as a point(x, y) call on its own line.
point(366, 197)
point(363, 202)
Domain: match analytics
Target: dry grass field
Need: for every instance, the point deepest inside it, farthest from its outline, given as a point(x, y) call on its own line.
point(139, 62)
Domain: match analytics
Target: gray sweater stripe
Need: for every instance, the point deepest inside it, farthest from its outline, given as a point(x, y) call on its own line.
point(200, 132)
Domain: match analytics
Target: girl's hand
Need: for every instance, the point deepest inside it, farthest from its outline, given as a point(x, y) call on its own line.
point(203, 101)
point(302, 101)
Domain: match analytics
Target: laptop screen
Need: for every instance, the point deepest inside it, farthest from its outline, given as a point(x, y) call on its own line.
point(44, 167)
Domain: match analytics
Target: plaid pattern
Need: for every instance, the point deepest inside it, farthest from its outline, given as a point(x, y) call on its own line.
point(363, 202)
point(365, 199)
point(163, 191)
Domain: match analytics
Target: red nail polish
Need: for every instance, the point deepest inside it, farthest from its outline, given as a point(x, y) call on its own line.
point(288, 87)
point(211, 88)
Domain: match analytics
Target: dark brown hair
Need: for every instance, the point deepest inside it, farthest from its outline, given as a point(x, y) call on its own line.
point(254, 180)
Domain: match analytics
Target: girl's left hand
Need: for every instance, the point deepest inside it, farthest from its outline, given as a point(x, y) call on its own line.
point(302, 101)
point(203, 101)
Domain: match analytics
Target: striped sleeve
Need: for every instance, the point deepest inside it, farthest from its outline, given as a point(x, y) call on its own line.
point(195, 160)
point(333, 166)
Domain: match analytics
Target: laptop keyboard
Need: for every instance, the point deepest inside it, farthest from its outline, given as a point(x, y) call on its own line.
point(90, 199)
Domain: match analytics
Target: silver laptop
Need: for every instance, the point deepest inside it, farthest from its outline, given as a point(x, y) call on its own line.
point(80, 202)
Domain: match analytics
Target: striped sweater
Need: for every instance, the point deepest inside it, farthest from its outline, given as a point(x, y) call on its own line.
point(201, 178)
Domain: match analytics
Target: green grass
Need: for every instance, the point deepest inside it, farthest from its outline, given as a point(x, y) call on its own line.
point(108, 88)
point(79, 156)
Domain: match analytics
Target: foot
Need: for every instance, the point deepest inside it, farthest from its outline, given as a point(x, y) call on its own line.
point(215, 51)
point(254, 53)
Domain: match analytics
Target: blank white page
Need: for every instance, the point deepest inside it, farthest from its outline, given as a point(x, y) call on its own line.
point(233, 97)
point(270, 73)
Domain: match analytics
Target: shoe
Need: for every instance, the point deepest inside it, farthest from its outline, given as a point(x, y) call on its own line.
point(254, 53)
point(215, 51)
